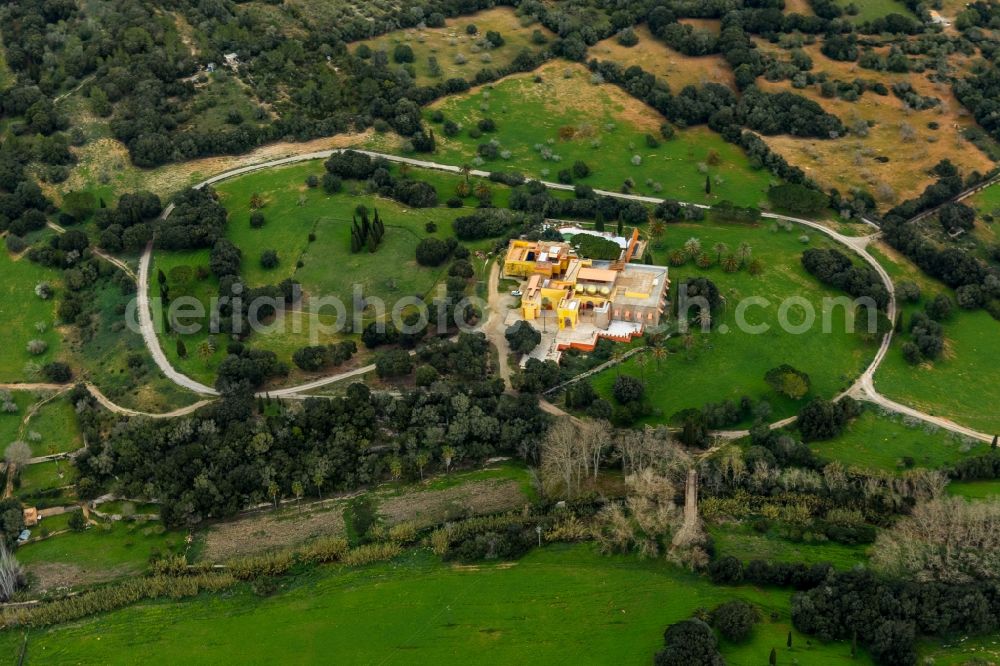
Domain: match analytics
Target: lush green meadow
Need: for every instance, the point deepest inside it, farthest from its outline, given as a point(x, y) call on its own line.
point(893, 443)
point(975, 489)
point(10, 423)
point(950, 386)
point(23, 314)
point(117, 362)
point(324, 266)
point(869, 10)
point(729, 363)
point(961, 651)
point(57, 429)
point(956, 386)
point(45, 476)
point(562, 604)
point(99, 553)
point(567, 115)
point(746, 544)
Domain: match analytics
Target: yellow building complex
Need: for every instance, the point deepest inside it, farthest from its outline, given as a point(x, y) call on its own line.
point(577, 290)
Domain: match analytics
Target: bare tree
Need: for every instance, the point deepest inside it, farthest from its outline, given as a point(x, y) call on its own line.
point(17, 453)
point(947, 539)
point(572, 452)
point(11, 574)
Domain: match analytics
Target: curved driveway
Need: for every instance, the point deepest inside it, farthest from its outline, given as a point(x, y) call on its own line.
point(863, 387)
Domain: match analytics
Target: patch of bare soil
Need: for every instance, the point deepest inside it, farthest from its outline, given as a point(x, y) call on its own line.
point(798, 7)
point(50, 576)
point(431, 507)
point(272, 530)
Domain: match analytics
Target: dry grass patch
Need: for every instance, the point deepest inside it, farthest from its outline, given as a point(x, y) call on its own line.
point(458, 53)
point(105, 168)
point(657, 58)
point(59, 575)
point(269, 531)
point(432, 507)
point(798, 7)
point(899, 134)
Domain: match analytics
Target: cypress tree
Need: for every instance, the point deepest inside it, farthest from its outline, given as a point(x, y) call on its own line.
point(621, 225)
point(181, 349)
point(161, 277)
point(789, 640)
point(708, 185)
point(773, 659)
point(599, 221)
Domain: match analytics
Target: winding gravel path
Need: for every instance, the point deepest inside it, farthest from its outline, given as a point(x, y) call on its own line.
point(863, 387)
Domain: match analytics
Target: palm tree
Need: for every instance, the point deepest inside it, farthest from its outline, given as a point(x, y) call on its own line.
point(659, 353)
point(482, 191)
point(730, 264)
point(463, 189)
point(421, 460)
point(677, 258)
point(641, 360)
point(656, 230)
point(692, 246)
point(720, 249)
point(466, 170)
point(298, 491)
point(447, 455)
point(705, 318)
point(688, 341)
point(756, 267)
point(744, 251)
point(318, 478)
point(273, 489)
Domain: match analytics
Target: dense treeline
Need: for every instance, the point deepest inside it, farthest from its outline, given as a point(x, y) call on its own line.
point(836, 269)
point(234, 454)
point(534, 197)
point(887, 616)
point(359, 166)
point(138, 70)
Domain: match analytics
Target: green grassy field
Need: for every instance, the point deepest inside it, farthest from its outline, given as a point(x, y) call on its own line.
point(975, 489)
point(952, 385)
point(948, 386)
point(984, 234)
point(746, 544)
point(56, 423)
point(732, 364)
point(882, 441)
point(963, 651)
point(599, 125)
point(98, 553)
point(10, 423)
point(560, 604)
point(328, 268)
point(118, 363)
point(21, 310)
point(869, 10)
point(46, 476)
